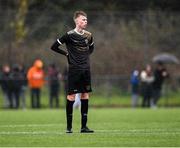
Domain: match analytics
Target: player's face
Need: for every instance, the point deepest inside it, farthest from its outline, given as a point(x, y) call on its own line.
point(81, 22)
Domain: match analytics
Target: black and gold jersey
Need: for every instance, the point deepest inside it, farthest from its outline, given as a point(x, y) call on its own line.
point(79, 47)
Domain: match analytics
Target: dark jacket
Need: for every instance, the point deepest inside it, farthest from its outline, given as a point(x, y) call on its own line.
point(4, 81)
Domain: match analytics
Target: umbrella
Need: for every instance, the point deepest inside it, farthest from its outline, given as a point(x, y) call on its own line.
point(165, 58)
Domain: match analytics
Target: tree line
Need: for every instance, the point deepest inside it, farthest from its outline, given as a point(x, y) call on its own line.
point(128, 33)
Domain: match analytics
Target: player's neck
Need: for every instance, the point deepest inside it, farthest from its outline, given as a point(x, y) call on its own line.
point(79, 31)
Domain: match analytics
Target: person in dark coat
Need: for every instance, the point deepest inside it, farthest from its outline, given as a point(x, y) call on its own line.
point(23, 87)
point(160, 74)
point(16, 79)
point(5, 86)
point(54, 85)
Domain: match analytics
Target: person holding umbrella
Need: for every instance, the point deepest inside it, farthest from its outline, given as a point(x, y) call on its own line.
point(160, 74)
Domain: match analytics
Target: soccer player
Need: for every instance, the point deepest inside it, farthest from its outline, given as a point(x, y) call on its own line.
point(80, 45)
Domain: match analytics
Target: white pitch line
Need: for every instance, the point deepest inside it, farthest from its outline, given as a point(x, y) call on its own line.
point(30, 133)
point(122, 132)
point(28, 125)
point(141, 130)
point(116, 130)
point(177, 130)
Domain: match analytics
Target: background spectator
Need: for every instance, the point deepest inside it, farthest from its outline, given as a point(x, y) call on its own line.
point(147, 79)
point(5, 86)
point(160, 74)
point(135, 87)
point(35, 78)
point(77, 103)
point(24, 87)
point(54, 77)
point(16, 79)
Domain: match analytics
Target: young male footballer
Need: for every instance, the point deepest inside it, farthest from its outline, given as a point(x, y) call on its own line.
point(80, 45)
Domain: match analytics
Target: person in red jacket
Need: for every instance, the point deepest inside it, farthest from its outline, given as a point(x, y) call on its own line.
point(35, 78)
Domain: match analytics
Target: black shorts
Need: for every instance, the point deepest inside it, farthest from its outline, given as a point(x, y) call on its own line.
point(79, 81)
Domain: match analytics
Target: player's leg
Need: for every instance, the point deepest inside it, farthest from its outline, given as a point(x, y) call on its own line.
point(84, 113)
point(72, 78)
point(69, 111)
point(84, 109)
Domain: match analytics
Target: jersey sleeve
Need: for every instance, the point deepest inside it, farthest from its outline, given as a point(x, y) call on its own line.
point(91, 42)
point(91, 45)
point(59, 42)
point(62, 39)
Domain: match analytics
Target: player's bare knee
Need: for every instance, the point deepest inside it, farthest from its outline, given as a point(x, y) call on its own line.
point(85, 96)
point(71, 97)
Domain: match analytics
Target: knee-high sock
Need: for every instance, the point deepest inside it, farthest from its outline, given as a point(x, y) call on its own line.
point(84, 112)
point(69, 113)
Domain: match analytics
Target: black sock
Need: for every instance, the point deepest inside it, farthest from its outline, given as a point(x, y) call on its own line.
point(69, 113)
point(84, 112)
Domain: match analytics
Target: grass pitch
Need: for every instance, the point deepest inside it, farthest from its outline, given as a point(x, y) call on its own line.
point(113, 127)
